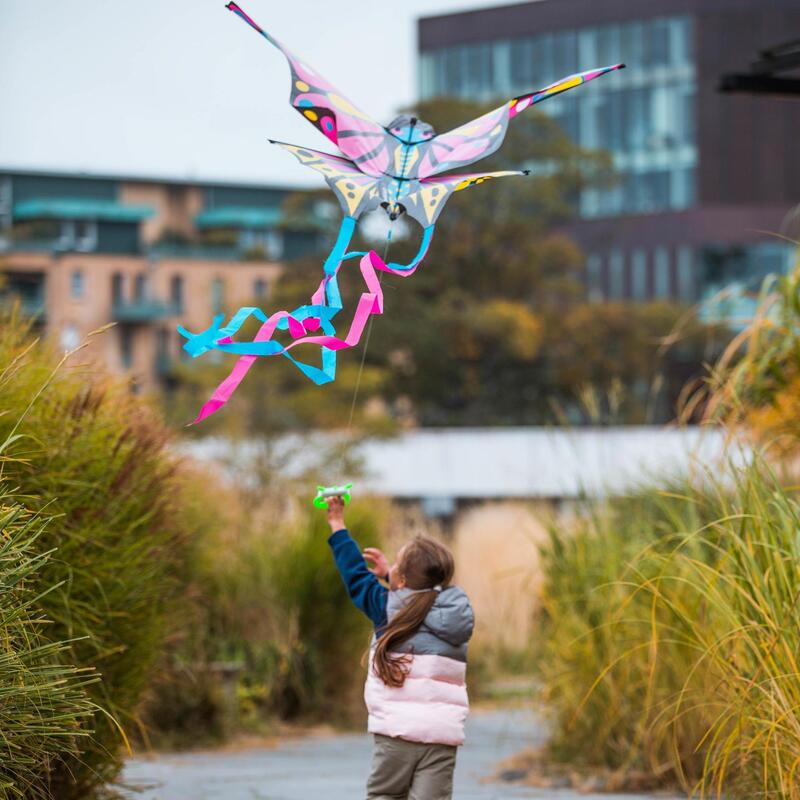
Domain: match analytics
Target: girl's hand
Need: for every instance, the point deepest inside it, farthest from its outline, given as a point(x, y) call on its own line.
point(336, 514)
point(381, 568)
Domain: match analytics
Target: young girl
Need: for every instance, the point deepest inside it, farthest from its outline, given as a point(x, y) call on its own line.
point(415, 692)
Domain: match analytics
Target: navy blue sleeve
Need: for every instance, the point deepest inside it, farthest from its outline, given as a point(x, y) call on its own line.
point(363, 587)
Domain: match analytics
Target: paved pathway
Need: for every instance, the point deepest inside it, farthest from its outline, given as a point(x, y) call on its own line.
point(335, 768)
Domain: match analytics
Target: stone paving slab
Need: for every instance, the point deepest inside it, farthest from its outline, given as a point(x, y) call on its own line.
point(335, 768)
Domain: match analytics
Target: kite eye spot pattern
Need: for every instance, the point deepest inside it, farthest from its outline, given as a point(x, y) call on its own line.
point(302, 86)
point(304, 103)
point(312, 115)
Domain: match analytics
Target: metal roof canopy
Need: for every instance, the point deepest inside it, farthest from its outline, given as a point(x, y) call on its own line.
point(762, 78)
point(501, 463)
point(239, 217)
point(74, 208)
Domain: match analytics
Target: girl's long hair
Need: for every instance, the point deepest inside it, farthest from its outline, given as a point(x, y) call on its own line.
point(424, 564)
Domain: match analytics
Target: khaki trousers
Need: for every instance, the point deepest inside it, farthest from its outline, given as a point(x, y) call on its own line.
point(404, 770)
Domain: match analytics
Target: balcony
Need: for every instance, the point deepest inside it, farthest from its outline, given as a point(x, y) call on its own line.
point(142, 312)
point(198, 252)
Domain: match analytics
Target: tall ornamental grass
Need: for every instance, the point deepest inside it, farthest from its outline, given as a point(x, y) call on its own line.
point(45, 710)
point(671, 637)
point(91, 455)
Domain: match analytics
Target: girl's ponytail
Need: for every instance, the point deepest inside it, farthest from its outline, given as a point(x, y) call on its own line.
point(426, 566)
point(392, 668)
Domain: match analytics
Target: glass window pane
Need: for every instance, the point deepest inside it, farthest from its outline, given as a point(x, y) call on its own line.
point(687, 285)
point(639, 275)
point(176, 293)
point(616, 274)
point(76, 284)
point(217, 295)
point(594, 278)
point(661, 277)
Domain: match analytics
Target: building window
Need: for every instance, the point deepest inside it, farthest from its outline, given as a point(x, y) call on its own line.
point(117, 288)
point(78, 235)
point(594, 278)
point(140, 288)
point(687, 284)
point(260, 289)
point(273, 241)
point(661, 277)
point(645, 118)
point(217, 295)
point(639, 275)
point(85, 236)
point(616, 275)
point(126, 346)
point(6, 204)
point(176, 293)
point(76, 284)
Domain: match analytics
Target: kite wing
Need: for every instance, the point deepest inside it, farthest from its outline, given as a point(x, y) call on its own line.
point(482, 136)
point(360, 138)
point(355, 191)
point(426, 202)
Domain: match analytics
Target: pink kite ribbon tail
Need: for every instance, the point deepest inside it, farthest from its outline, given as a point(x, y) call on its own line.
point(370, 302)
point(223, 392)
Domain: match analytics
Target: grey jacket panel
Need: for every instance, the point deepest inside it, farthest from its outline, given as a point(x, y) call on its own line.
point(447, 628)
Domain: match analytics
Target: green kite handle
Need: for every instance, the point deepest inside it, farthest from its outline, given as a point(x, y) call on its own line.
point(324, 493)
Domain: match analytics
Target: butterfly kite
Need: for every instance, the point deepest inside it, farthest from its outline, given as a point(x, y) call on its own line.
point(397, 168)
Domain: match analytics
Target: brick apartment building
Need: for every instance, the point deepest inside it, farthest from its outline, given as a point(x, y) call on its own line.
point(81, 251)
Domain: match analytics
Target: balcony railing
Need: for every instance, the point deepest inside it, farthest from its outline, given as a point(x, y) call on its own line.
point(195, 251)
point(143, 311)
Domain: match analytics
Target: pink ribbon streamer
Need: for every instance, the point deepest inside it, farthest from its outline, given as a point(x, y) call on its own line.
point(370, 302)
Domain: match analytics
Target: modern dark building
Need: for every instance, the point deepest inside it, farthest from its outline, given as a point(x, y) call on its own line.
point(705, 177)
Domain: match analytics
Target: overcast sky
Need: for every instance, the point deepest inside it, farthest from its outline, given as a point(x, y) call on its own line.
point(184, 88)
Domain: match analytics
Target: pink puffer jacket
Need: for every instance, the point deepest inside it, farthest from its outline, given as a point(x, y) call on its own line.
point(432, 704)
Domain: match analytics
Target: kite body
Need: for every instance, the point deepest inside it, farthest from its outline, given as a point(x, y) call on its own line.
point(396, 168)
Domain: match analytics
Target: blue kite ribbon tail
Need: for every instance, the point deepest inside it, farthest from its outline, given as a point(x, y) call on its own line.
point(331, 266)
point(339, 249)
point(199, 343)
point(425, 243)
point(327, 373)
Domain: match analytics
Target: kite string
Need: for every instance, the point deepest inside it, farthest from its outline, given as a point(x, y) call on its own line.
point(366, 343)
point(380, 282)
